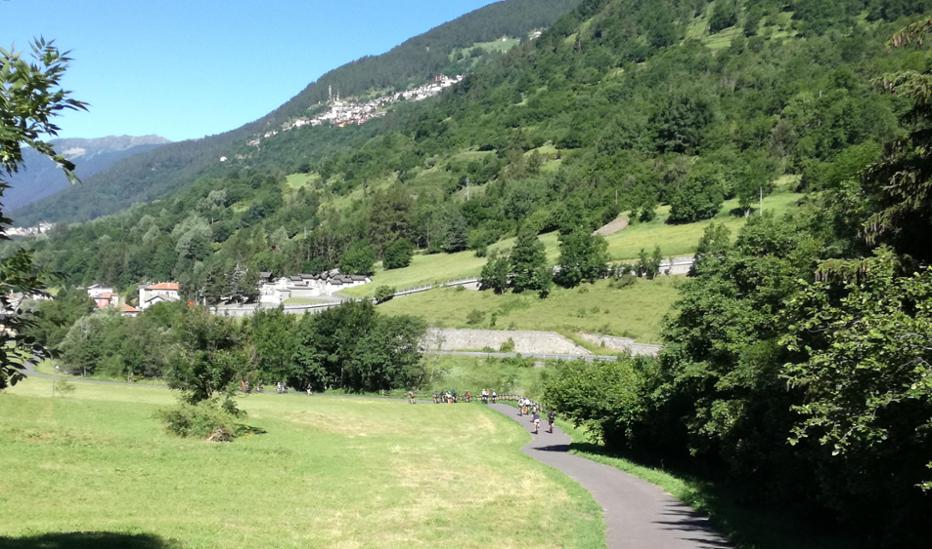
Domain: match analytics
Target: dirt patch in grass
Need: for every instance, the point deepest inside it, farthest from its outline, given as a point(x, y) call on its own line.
point(616, 225)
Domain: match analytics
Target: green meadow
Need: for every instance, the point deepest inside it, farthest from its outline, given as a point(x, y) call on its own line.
point(327, 471)
point(635, 311)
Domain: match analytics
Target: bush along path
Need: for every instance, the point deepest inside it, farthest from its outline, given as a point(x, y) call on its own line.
point(637, 513)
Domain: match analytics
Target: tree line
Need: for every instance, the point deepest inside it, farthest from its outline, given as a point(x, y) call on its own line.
point(797, 361)
point(349, 347)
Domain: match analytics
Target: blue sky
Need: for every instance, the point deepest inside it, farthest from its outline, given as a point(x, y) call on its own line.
point(189, 68)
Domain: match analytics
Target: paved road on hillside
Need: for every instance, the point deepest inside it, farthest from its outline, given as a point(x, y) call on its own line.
point(638, 514)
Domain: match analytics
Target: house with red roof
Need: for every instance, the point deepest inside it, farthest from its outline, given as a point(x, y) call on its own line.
point(163, 292)
point(104, 296)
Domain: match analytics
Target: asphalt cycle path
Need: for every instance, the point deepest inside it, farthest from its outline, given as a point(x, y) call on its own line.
point(638, 514)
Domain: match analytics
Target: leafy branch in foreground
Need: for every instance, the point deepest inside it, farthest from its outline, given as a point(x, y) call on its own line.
point(30, 96)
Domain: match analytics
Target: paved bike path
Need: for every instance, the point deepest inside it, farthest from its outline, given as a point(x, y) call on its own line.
point(638, 514)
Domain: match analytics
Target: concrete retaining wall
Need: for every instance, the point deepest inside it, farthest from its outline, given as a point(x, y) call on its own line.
point(621, 344)
point(451, 339)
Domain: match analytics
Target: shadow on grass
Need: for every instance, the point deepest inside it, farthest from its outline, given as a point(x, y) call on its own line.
point(81, 540)
point(745, 521)
point(243, 429)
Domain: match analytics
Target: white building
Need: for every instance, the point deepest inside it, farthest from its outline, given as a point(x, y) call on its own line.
point(104, 297)
point(163, 292)
point(276, 292)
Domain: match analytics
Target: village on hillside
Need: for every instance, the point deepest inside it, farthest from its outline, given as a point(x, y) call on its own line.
point(272, 291)
point(341, 112)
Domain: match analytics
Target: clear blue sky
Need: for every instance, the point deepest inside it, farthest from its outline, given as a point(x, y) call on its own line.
point(189, 68)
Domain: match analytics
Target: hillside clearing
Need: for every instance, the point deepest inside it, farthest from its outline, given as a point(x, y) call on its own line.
point(636, 311)
point(674, 240)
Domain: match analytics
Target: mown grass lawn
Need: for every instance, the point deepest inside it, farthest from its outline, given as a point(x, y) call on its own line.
point(636, 311)
point(674, 240)
point(328, 472)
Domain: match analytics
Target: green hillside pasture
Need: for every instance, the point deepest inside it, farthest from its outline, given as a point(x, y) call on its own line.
point(328, 472)
point(683, 239)
point(673, 240)
point(297, 181)
point(636, 311)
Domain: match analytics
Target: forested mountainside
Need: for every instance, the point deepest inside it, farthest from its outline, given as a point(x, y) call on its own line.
point(40, 177)
point(621, 105)
point(452, 48)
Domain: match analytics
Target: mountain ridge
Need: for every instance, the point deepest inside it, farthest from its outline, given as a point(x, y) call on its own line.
point(39, 177)
point(179, 164)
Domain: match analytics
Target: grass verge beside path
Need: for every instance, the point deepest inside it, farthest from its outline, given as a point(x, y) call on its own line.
point(748, 525)
point(328, 471)
point(636, 311)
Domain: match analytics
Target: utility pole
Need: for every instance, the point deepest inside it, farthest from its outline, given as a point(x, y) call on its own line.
point(761, 200)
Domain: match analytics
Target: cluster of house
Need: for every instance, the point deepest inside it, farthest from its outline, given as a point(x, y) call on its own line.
point(105, 297)
point(348, 112)
point(275, 291)
point(41, 228)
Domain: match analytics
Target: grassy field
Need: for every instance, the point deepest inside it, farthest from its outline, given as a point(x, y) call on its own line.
point(636, 311)
point(673, 240)
point(683, 239)
point(328, 471)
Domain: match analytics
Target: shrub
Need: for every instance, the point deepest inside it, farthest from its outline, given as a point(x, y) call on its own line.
point(724, 15)
point(358, 259)
point(384, 293)
point(698, 196)
point(623, 281)
point(508, 346)
point(398, 254)
point(203, 420)
point(475, 316)
point(63, 387)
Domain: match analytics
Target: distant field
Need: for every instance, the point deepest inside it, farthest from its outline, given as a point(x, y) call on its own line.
point(683, 239)
point(636, 311)
point(627, 244)
point(466, 373)
point(328, 472)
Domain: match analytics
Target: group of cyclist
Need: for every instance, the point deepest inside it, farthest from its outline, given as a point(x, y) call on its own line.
point(449, 397)
point(527, 407)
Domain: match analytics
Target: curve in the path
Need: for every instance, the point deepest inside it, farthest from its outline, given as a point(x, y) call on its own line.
point(638, 514)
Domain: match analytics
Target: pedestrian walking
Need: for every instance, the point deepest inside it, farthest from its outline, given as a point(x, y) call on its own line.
point(551, 417)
